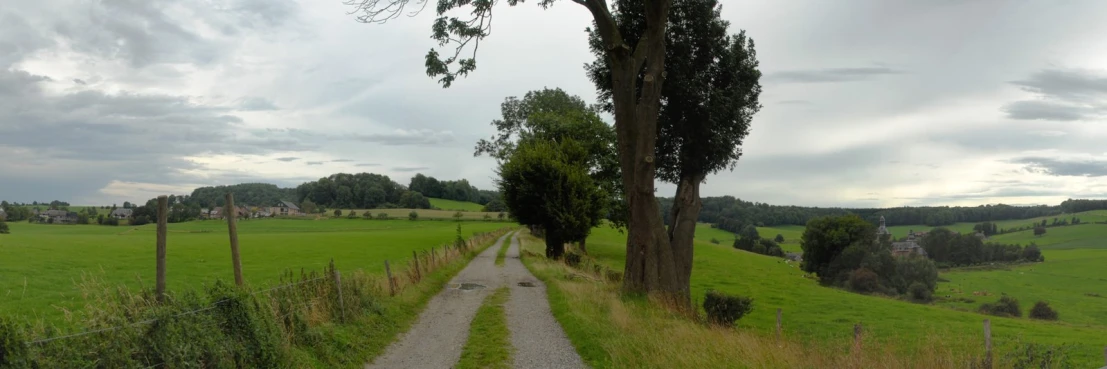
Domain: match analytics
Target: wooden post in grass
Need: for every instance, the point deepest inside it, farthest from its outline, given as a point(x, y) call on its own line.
point(338, 287)
point(778, 328)
point(432, 257)
point(163, 217)
point(232, 227)
point(857, 344)
point(415, 259)
point(391, 284)
point(988, 359)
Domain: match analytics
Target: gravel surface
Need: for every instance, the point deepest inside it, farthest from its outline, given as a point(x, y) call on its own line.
point(436, 339)
point(538, 339)
point(440, 333)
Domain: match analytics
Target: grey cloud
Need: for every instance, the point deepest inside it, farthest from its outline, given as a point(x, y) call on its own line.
point(288, 159)
point(79, 81)
point(256, 104)
point(405, 137)
point(831, 75)
point(1063, 95)
point(367, 165)
point(409, 169)
point(1066, 168)
point(342, 160)
point(314, 163)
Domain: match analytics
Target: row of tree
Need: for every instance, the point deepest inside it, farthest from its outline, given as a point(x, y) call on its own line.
point(949, 248)
point(459, 190)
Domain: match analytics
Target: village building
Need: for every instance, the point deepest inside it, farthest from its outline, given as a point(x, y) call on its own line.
point(58, 217)
point(285, 208)
point(908, 247)
point(121, 213)
point(3, 215)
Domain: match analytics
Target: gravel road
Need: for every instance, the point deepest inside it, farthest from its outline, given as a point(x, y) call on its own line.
point(436, 339)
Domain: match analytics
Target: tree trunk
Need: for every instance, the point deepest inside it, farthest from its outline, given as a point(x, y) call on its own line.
point(555, 246)
point(581, 246)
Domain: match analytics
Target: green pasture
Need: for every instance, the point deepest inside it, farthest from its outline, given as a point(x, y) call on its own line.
point(1087, 217)
point(824, 314)
point(42, 265)
point(424, 214)
point(455, 205)
point(792, 235)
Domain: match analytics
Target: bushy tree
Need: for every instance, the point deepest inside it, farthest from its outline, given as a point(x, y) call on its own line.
point(1006, 306)
point(1043, 311)
point(547, 184)
point(353, 214)
point(309, 207)
point(1039, 230)
point(337, 212)
point(412, 215)
point(1032, 253)
point(918, 292)
point(383, 216)
point(825, 239)
point(4, 229)
point(779, 238)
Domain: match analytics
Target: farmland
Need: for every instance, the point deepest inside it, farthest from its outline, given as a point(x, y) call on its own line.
point(424, 214)
point(42, 265)
point(445, 204)
point(827, 315)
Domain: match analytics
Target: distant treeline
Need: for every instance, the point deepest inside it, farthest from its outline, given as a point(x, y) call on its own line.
point(459, 190)
point(733, 214)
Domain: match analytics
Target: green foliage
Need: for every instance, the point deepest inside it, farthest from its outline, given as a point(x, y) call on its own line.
point(261, 194)
point(501, 215)
point(864, 280)
point(825, 239)
point(489, 344)
point(4, 229)
point(910, 271)
point(573, 259)
point(1043, 311)
point(359, 191)
point(1029, 355)
point(1032, 253)
point(494, 206)
point(918, 292)
point(723, 309)
point(458, 215)
point(337, 212)
point(1038, 231)
point(779, 238)
point(309, 206)
point(554, 115)
point(1007, 306)
point(459, 190)
point(412, 215)
point(716, 241)
point(547, 184)
point(353, 214)
point(384, 216)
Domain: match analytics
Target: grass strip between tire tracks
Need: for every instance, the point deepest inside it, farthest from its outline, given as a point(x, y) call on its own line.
point(489, 344)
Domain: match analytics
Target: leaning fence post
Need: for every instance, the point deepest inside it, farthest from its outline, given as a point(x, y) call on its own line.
point(391, 284)
point(232, 226)
point(338, 287)
point(433, 263)
point(415, 259)
point(163, 216)
point(987, 343)
point(778, 327)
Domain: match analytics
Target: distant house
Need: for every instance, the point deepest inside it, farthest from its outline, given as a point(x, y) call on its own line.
point(794, 256)
point(121, 213)
point(58, 217)
point(904, 248)
point(204, 213)
point(285, 208)
point(3, 215)
point(216, 213)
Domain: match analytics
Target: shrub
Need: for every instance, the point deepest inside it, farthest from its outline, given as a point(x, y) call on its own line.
point(779, 238)
point(4, 228)
point(723, 309)
point(352, 215)
point(384, 216)
point(337, 212)
point(487, 217)
point(1006, 306)
point(1035, 355)
point(1041, 310)
point(412, 215)
point(714, 240)
point(458, 215)
point(918, 292)
point(572, 258)
point(864, 280)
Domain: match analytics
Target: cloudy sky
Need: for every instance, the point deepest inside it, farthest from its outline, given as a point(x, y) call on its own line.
point(867, 103)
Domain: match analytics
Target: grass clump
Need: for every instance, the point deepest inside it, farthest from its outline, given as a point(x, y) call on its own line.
point(502, 253)
point(489, 344)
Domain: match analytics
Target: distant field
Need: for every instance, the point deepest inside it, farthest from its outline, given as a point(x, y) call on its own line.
point(828, 315)
point(792, 235)
point(40, 265)
point(455, 205)
point(1085, 217)
point(424, 213)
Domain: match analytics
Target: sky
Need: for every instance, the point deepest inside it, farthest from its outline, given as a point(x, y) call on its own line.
point(867, 103)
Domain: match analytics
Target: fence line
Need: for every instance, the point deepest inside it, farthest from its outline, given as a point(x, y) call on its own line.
point(213, 305)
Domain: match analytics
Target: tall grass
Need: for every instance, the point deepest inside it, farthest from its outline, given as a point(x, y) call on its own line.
point(226, 326)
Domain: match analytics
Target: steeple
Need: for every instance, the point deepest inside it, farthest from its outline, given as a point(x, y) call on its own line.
point(881, 221)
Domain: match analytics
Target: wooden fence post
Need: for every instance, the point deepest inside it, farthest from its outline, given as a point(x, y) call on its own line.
point(432, 258)
point(338, 287)
point(857, 344)
point(391, 284)
point(415, 259)
point(779, 333)
point(232, 227)
point(988, 343)
point(163, 217)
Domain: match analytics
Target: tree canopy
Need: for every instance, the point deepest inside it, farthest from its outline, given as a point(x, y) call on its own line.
point(244, 193)
point(459, 190)
point(547, 184)
point(360, 191)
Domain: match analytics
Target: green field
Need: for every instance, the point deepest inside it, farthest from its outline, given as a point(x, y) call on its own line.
point(827, 315)
point(425, 214)
point(41, 265)
point(455, 205)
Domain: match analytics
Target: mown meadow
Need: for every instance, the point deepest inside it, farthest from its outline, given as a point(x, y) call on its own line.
point(42, 266)
point(826, 316)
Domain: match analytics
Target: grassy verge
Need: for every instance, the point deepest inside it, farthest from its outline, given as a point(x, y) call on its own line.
point(500, 255)
point(610, 331)
point(489, 344)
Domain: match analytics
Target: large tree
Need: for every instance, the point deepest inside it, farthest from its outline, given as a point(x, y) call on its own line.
point(554, 115)
point(547, 184)
point(637, 64)
point(707, 106)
